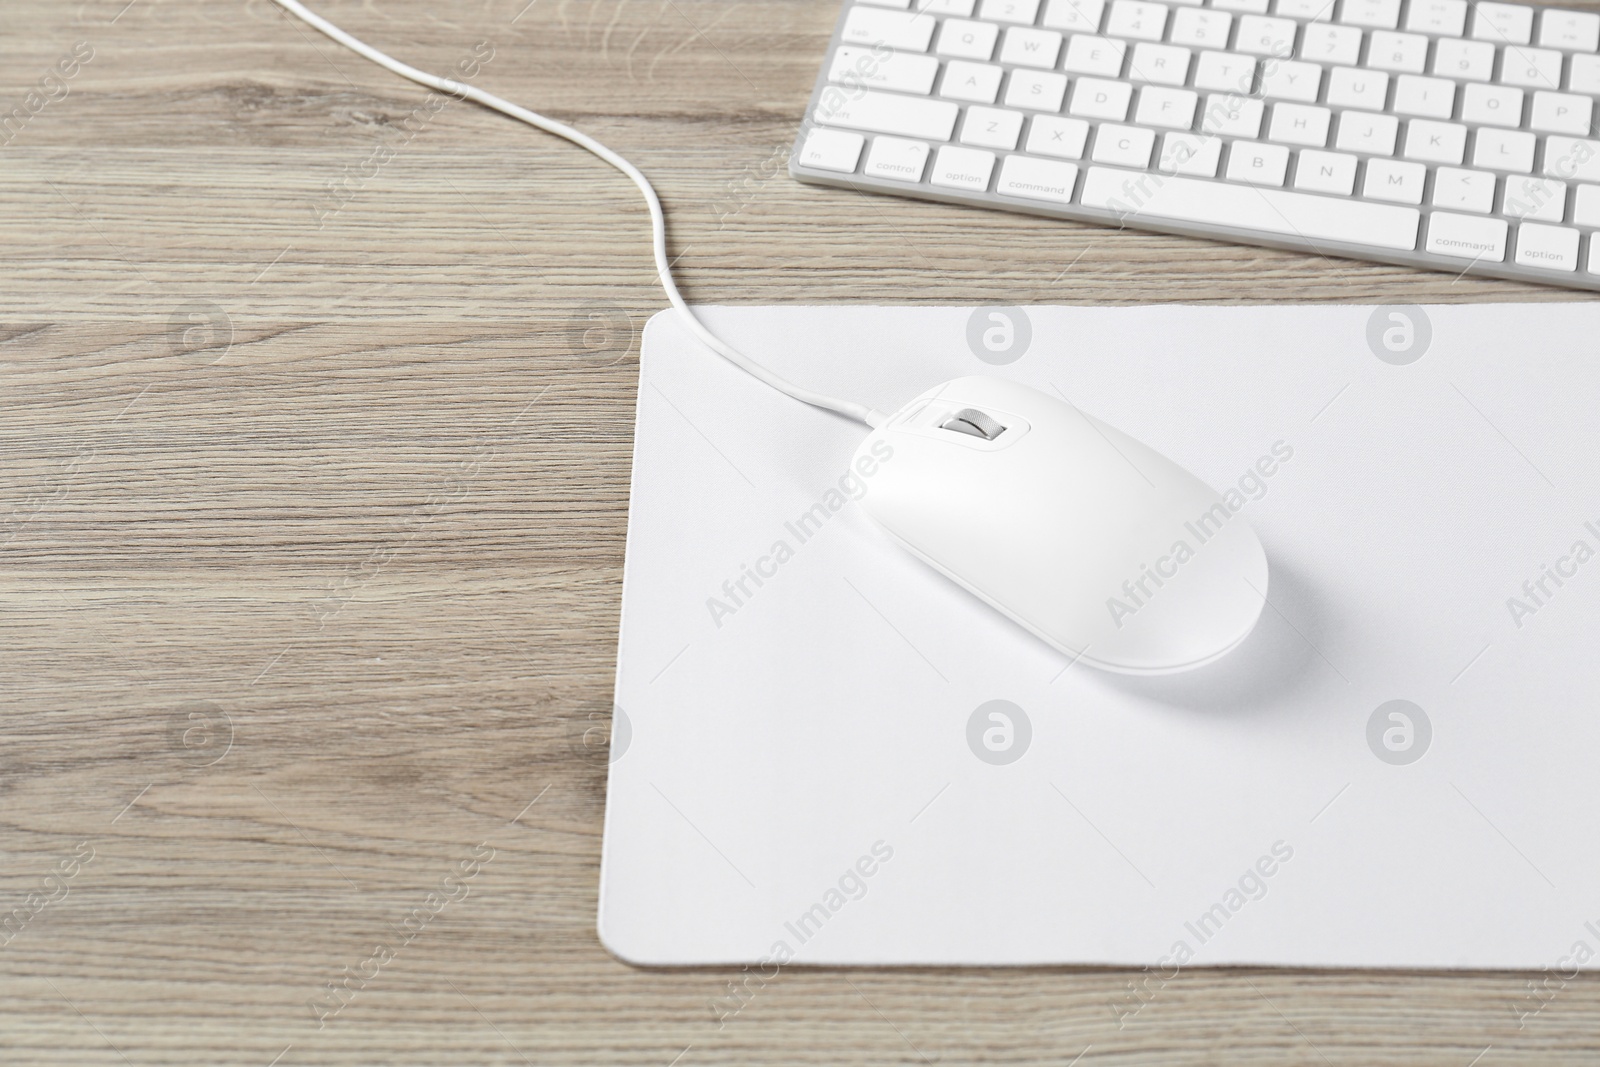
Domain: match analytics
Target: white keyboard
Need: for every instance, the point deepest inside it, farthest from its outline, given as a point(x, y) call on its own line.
point(1446, 134)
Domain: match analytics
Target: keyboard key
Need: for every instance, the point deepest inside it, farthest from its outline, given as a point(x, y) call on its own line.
point(967, 40)
point(1232, 116)
point(1123, 146)
point(891, 157)
point(1569, 157)
point(1374, 14)
point(1550, 247)
point(899, 71)
point(1265, 36)
point(1275, 211)
point(1369, 134)
point(1036, 90)
point(1163, 64)
point(832, 150)
point(962, 168)
point(959, 8)
point(1031, 48)
point(1503, 150)
point(892, 29)
point(1575, 30)
point(977, 82)
point(1471, 60)
point(1390, 179)
point(1062, 138)
point(1466, 237)
point(1019, 11)
point(991, 127)
point(1583, 75)
point(1170, 109)
point(1349, 87)
point(1432, 98)
point(1288, 79)
point(1435, 142)
point(1257, 163)
point(1445, 18)
point(1325, 43)
point(1096, 99)
point(1405, 53)
point(1201, 27)
point(1560, 113)
point(1078, 16)
point(901, 4)
point(1502, 23)
point(1491, 105)
point(1586, 205)
point(1310, 10)
point(1094, 55)
point(1197, 154)
point(1536, 68)
point(1249, 7)
point(876, 112)
point(1037, 179)
point(1325, 172)
point(1225, 72)
point(1300, 124)
point(1541, 199)
point(1137, 20)
point(1463, 190)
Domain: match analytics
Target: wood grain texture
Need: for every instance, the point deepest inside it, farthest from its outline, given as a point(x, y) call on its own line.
point(312, 527)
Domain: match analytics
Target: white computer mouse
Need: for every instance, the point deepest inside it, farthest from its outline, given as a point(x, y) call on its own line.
point(1098, 544)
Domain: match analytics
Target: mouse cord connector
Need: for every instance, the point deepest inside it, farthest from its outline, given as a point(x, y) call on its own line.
point(658, 222)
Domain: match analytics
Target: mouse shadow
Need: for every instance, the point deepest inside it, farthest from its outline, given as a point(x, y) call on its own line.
point(1265, 672)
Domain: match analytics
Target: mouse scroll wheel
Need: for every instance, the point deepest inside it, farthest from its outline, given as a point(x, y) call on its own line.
point(974, 422)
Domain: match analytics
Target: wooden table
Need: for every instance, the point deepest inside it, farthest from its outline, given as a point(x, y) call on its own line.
point(317, 406)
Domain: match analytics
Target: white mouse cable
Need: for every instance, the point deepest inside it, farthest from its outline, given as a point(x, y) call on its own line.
point(658, 222)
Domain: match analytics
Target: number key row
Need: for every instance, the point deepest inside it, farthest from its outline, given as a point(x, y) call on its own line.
point(1497, 23)
point(1091, 51)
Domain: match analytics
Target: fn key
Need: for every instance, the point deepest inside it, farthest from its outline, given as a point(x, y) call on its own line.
point(832, 150)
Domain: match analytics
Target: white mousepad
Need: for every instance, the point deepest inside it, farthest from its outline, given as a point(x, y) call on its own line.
point(825, 753)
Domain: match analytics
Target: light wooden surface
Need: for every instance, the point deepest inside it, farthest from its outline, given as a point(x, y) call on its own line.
point(348, 545)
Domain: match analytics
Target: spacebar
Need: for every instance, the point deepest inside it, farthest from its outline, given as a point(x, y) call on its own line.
point(1140, 194)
